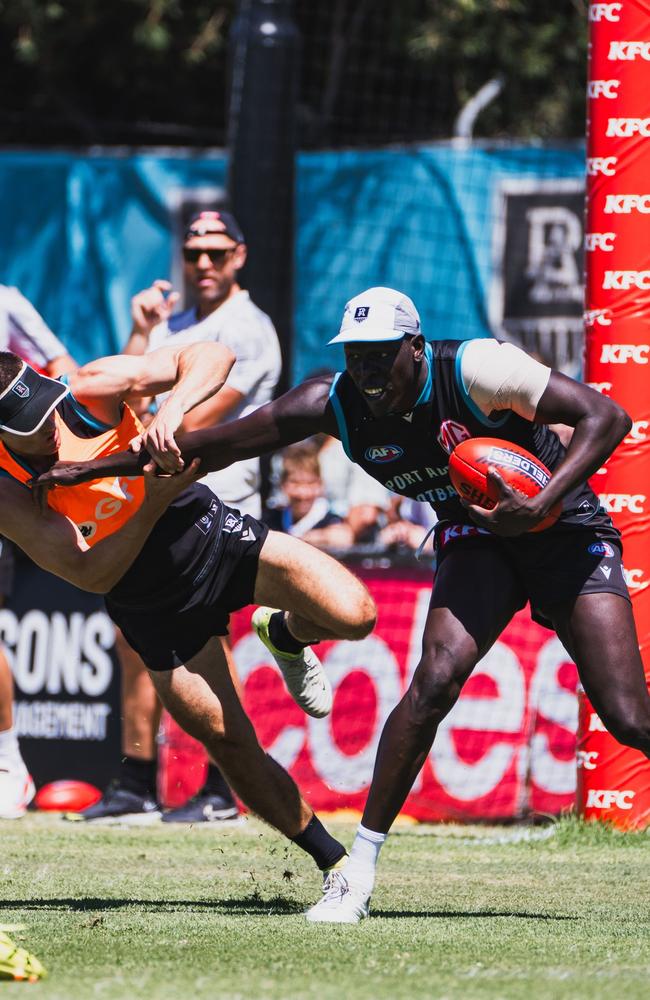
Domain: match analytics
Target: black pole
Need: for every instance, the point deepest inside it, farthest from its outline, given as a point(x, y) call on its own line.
point(264, 48)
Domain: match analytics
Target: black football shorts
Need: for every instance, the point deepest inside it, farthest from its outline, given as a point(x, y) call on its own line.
point(171, 636)
point(554, 567)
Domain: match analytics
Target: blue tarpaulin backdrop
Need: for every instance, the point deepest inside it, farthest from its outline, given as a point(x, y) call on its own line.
point(81, 233)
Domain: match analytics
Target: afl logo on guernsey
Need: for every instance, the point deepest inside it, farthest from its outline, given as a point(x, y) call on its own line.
point(380, 453)
point(601, 549)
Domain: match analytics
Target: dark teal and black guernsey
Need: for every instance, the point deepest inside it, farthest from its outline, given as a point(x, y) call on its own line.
point(409, 453)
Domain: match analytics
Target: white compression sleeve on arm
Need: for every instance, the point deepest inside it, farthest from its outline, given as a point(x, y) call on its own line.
point(503, 377)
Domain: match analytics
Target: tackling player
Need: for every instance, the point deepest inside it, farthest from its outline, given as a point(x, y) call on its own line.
point(400, 408)
point(173, 561)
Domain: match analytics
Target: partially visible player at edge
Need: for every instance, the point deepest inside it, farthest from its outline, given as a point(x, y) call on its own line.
point(421, 399)
point(173, 561)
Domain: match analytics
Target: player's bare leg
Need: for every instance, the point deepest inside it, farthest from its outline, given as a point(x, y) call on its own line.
point(141, 711)
point(600, 634)
point(16, 785)
point(312, 597)
point(6, 693)
point(203, 699)
point(140, 705)
point(324, 600)
point(474, 597)
point(132, 797)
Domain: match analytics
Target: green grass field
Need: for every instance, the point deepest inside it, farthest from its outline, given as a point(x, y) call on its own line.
point(216, 913)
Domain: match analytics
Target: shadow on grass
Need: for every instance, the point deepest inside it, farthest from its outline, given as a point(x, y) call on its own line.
point(251, 905)
point(246, 905)
point(471, 914)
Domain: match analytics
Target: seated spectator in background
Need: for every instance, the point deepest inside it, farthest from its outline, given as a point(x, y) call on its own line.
point(23, 331)
point(411, 526)
point(306, 512)
point(353, 495)
point(360, 501)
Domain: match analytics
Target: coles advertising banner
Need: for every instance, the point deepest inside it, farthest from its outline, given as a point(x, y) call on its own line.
point(507, 749)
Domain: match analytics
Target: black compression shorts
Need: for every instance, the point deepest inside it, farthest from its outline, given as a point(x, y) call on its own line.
point(553, 567)
point(169, 637)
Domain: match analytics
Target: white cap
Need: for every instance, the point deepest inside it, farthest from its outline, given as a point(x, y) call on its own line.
point(378, 314)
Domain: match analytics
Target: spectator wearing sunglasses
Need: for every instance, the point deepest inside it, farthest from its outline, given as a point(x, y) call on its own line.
point(214, 251)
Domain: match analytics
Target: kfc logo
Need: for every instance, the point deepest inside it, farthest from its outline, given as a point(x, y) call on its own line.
point(602, 317)
point(605, 12)
point(602, 387)
point(628, 51)
point(587, 759)
point(600, 241)
point(625, 204)
point(638, 433)
point(616, 503)
point(620, 354)
point(634, 578)
point(603, 88)
point(626, 128)
point(605, 798)
point(601, 165)
point(596, 724)
point(623, 281)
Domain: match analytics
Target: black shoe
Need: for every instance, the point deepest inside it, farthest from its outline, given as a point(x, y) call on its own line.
point(120, 805)
point(203, 808)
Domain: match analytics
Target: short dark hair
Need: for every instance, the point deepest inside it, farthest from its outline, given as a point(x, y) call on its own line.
point(10, 366)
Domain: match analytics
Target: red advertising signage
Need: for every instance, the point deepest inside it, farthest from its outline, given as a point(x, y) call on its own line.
point(507, 748)
point(615, 781)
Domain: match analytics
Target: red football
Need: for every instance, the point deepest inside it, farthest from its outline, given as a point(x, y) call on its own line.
point(66, 796)
point(469, 462)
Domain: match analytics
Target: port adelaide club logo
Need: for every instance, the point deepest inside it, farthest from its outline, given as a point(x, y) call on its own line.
point(20, 389)
point(382, 453)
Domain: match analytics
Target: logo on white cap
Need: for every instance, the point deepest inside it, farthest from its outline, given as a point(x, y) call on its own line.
point(20, 389)
point(378, 314)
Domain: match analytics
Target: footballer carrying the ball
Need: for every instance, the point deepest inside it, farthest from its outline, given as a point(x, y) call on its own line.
point(399, 408)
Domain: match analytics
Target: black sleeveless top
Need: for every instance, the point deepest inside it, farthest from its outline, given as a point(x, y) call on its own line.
point(409, 453)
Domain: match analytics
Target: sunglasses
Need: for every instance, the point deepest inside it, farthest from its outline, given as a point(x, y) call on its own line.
point(217, 257)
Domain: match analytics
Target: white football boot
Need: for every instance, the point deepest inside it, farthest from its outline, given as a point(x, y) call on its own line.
point(341, 903)
point(303, 672)
point(16, 788)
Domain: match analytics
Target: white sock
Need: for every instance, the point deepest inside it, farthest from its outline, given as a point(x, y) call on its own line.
point(9, 749)
point(360, 868)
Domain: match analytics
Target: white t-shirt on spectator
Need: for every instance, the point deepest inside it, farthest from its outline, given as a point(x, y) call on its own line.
point(251, 336)
point(24, 331)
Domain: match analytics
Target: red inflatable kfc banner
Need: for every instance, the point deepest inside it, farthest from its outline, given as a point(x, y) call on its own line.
point(615, 781)
point(507, 748)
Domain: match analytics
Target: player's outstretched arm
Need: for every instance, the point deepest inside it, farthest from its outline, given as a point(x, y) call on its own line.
point(297, 414)
point(193, 373)
point(55, 543)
